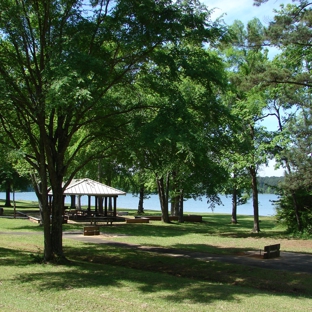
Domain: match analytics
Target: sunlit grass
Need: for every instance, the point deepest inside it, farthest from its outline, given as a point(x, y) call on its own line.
point(103, 277)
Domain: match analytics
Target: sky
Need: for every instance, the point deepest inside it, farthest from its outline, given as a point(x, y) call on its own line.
point(244, 10)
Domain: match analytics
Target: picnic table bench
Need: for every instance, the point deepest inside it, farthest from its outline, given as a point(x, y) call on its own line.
point(271, 251)
point(106, 219)
point(91, 230)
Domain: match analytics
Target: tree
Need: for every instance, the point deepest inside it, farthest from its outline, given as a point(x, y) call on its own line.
point(248, 102)
point(63, 65)
point(294, 207)
point(180, 141)
point(291, 31)
point(10, 179)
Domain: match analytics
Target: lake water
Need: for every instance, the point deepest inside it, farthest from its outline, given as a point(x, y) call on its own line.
point(266, 207)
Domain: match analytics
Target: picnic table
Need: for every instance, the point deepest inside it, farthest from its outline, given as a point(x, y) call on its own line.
point(106, 219)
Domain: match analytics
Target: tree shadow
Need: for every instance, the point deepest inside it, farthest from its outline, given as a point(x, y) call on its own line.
point(99, 265)
point(81, 275)
point(15, 257)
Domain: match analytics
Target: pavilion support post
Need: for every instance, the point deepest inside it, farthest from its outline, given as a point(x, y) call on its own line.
point(105, 213)
point(96, 198)
point(100, 205)
point(72, 201)
point(89, 205)
point(78, 204)
point(115, 206)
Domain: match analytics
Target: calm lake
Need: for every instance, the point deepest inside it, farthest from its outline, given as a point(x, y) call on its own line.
point(266, 207)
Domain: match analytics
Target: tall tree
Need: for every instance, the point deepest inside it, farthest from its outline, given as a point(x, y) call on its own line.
point(291, 31)
point(62, 65)
point(248, 101)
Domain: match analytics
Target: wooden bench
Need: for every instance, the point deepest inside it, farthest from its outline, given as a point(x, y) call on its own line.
point(107, 219)
point(193, 218)
point(137, 220)
point(271, 251)
point(91, 230)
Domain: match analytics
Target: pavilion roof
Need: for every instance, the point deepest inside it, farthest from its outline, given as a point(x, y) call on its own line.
point(90, 187)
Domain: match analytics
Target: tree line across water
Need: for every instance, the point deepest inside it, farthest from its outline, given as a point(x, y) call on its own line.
point(269, 185)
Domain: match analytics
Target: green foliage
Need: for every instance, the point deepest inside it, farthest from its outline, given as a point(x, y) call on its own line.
point(180, 134)
point(287, 82)
point(286, 213)
point(68, 79)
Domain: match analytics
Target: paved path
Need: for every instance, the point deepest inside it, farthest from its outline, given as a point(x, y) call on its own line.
point(288, 261)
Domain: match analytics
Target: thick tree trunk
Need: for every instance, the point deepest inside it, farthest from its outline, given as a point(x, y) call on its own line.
point(42, 194)
point(163, 197)
point(7, 195)
point(253, 173)
point(57, 221)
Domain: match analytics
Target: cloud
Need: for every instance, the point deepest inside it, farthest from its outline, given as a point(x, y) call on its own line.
point(244, 10)
point(270, 171)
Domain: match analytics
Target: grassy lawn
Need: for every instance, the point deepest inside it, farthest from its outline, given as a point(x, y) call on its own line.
point(103, 277)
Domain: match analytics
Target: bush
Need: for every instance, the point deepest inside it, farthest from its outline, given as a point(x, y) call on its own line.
point(286, 214)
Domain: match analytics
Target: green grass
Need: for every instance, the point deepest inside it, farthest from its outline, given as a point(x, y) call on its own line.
point(102, 277)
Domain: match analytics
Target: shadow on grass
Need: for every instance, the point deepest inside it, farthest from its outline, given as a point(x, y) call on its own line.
point(153, 278)
point(183, 280)
point(104, 272)
point(170, 288)
point(15, 257)
point(175, 280)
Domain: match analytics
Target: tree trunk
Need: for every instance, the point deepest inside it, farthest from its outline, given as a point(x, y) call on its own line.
point(175, 206)
point(253, 173)
point(42, 194)
point(181, 218)
point(57, 221)
point(234, 206)
point(141, 200)
point(38, 192)
point(175, 196)
point(163, 198)
point(7, 194)
point(297, 211)
point(294, 198)
point(51, 165)
point(293, 195)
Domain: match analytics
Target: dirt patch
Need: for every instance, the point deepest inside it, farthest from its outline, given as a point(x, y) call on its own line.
point(295, 243)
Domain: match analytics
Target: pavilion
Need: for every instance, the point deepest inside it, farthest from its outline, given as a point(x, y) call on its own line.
point(102, 193)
